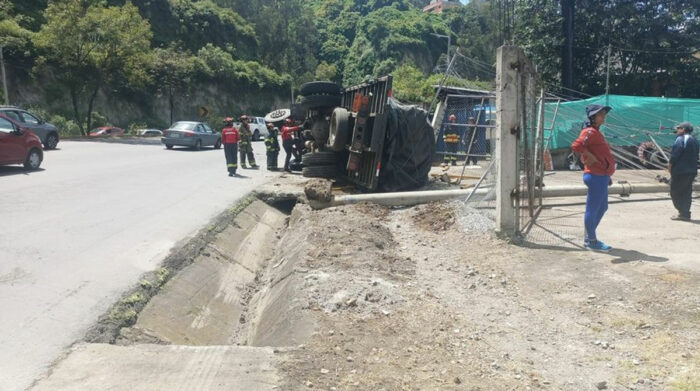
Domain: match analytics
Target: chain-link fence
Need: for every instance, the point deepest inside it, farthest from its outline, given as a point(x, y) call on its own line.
point(466, 133)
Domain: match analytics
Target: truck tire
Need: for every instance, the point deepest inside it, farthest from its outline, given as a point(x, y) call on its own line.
point(328, 172)
point(339, 129)
point(314, 101)
point(319, 158)
point(320, 87)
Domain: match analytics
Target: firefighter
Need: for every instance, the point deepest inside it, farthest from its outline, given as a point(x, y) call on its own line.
point(451, 139)
point(229, 137)
point(273, 147)
point(245, 143)
point(288, 134)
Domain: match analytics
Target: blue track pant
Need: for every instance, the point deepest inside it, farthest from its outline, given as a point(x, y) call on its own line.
point(596, 202)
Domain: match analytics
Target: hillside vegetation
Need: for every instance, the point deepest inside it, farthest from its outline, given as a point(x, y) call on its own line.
point(150, 62)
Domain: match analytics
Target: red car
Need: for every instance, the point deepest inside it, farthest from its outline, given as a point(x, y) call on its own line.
point(106, 131)
point(18, 145)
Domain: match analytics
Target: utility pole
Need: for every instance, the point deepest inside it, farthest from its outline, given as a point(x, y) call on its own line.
point(4, 78)
point(567, 50)
point(607, 76)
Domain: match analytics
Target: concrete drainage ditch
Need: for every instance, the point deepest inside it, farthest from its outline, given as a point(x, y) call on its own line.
point(214, 325)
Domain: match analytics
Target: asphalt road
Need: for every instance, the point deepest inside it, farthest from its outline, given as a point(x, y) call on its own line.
point(79, 232)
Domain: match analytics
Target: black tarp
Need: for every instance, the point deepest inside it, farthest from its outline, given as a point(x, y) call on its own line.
point(408, 147)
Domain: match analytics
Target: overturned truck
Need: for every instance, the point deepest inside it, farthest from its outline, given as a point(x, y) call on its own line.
point(362, 134)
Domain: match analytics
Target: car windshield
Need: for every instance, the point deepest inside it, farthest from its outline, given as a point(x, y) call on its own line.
point(184, 126)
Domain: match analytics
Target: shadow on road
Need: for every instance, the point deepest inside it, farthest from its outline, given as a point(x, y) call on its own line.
point(622, 256)
point(17, 170)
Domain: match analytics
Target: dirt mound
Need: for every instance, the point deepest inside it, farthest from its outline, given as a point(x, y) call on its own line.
point(319, 190)
point(435, 216)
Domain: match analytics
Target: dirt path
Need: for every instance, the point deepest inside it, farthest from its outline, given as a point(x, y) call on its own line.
point(410, 300)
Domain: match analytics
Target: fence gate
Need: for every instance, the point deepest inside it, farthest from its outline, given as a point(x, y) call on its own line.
point(519, 142)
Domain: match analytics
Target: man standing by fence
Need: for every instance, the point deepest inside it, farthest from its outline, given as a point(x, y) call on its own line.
point(683, 166)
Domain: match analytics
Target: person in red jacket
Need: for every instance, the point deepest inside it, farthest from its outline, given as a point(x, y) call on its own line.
point(598, 169)
point(229, 137)
point(288, 131)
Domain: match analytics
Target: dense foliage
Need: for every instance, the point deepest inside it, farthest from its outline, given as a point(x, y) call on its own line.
point(150, 49)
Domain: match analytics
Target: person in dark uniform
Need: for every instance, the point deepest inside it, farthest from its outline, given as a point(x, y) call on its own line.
point(273, 147)
point(451, 139)
point(229, 137)
point(683, 166)
point(245, 143)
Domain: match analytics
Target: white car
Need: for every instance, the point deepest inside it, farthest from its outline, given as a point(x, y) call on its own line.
point(149, 132)
point(257, 127)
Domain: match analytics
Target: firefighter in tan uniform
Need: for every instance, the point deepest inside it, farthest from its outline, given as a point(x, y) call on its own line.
point(245, 143)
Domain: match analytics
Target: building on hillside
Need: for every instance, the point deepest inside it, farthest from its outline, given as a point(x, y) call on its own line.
point(437, 6)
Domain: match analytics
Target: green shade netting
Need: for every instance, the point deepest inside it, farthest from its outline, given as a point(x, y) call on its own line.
point(631, 122)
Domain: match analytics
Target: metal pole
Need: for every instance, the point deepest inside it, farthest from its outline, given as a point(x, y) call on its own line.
point(449, 41)
point(4, 78)
point(422, 197)
point(607, 77)
point(663, 153)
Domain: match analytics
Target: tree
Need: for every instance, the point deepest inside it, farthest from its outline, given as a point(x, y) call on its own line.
point(326, 71)
point(105, 44)
point(172, 71)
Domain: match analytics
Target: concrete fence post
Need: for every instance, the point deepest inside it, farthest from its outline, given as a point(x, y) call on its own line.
point(508, 112)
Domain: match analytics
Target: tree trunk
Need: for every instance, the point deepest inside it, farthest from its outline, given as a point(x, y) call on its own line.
point(172, 103)
point(76, 112)
point(91, 103)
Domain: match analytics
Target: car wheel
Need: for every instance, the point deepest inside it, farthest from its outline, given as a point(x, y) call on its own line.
point(33, 160)
point(51, 141)
point(218, 144)
point(319, 87)
point(198, 145)
point(256, 135)
point(339, 129)
point(320, 158)
point(328, 172)
point(169, 146)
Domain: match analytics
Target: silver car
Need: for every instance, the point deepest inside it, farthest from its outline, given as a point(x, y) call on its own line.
point(47, 133)
point(190, 134)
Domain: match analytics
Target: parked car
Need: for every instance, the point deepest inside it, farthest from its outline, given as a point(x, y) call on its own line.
point(190, 134)
point(258, 128)
point(47, 133)
point(149, 132)
point(103, 131)
point(18, 145)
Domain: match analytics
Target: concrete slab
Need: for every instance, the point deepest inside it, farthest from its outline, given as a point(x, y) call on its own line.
point(638, 227)
point(203, 304)
point(104, 367)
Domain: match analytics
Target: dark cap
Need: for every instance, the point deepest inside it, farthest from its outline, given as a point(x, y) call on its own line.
point(244, 117)
point(686, 126)
point(592, 110)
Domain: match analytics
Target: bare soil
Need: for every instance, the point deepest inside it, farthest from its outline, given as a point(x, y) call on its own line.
point(407, 299)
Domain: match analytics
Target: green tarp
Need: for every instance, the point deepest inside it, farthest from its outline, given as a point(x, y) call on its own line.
point(631, 121)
